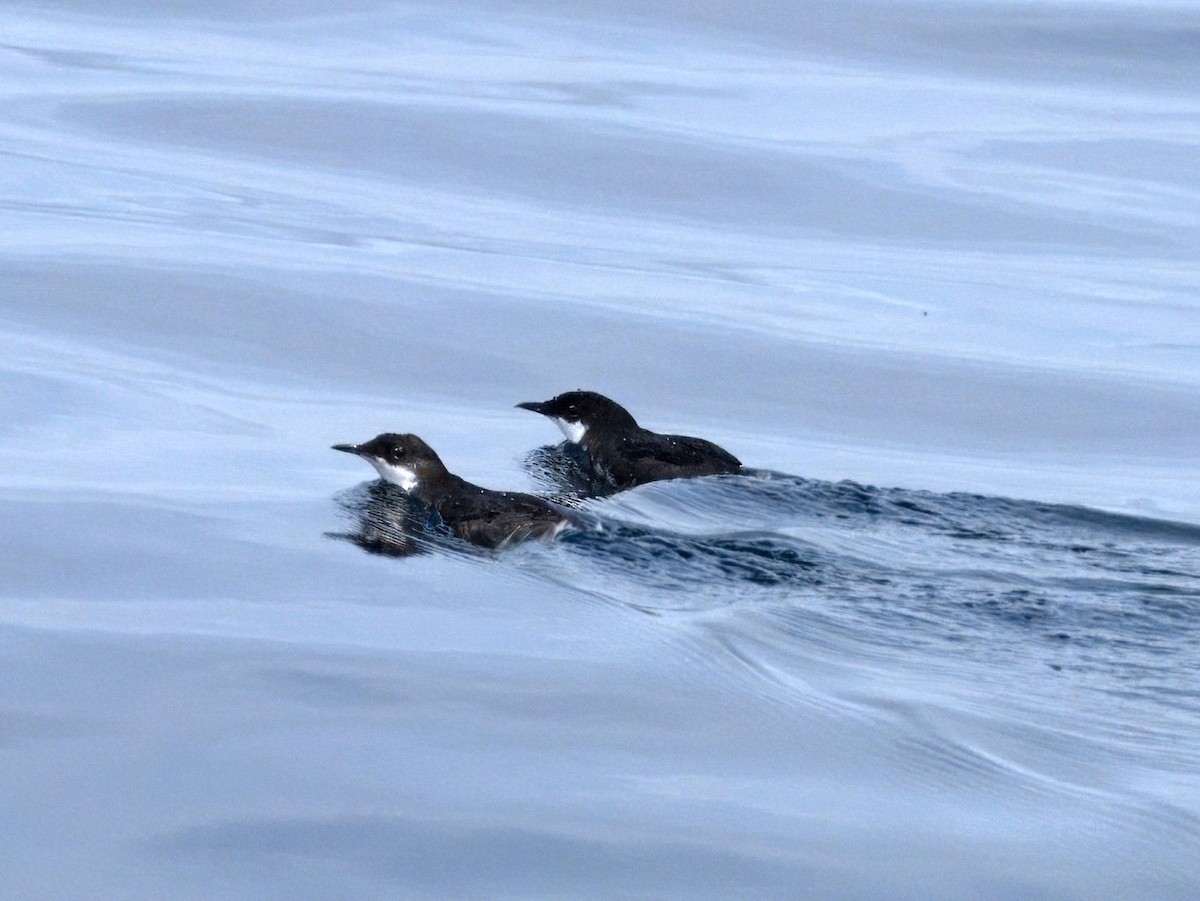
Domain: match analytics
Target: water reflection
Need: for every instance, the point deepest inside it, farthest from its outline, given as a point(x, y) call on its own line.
point(387, 521)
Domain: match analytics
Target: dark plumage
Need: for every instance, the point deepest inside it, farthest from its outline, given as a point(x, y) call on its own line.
point(481, 516)
point(621, 450)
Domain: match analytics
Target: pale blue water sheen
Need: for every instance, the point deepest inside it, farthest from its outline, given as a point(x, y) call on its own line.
point(949, 249)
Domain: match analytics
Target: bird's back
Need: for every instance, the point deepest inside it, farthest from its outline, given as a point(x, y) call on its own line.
point(643, 456)
point(494, 518)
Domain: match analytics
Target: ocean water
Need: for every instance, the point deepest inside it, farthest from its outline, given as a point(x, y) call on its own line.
point(930, 269)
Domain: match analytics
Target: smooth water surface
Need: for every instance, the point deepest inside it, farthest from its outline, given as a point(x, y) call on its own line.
point(929, 269)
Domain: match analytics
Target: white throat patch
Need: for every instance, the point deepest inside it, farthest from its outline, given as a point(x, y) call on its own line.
point(397, 475)
point(573, 430)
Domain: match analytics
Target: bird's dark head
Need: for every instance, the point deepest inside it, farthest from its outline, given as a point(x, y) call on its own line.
point(403, 460)
point(578, 412)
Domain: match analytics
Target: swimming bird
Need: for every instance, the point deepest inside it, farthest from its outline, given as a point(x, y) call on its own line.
point(488, 518)
point(622, 451)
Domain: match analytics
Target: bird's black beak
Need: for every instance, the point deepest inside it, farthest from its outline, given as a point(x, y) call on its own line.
point(348, 448)
point(535, 406)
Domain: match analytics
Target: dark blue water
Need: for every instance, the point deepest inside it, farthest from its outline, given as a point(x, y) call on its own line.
point(1109, 599)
